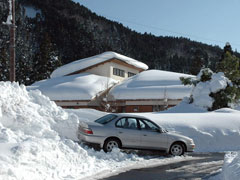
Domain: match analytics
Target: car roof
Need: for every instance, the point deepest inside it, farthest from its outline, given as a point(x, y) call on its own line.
point(130, 115)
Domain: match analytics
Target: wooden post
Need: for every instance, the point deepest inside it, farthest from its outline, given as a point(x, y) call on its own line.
point(12, 44)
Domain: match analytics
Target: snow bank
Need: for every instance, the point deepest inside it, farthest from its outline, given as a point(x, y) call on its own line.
point(35, 141)
point(216, 131)
point(87, 62)
point(36, 138)
point(231, 166)
point(82, 86)
point(152, 84)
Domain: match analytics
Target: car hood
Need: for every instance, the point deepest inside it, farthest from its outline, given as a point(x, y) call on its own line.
point(176, 136)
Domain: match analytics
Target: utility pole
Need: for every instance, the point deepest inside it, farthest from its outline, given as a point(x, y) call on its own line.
point(12, 44)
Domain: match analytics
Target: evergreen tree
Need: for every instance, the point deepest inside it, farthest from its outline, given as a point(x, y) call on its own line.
point(46, 60)
point(197, 64)
point(229, 64)
point(23, 71)
point(228, 48)
point(4, 65)
point(229, 67)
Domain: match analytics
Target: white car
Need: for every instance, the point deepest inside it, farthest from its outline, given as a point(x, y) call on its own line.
point(132, 132)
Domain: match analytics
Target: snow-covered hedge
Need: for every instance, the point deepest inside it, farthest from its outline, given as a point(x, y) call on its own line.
point(212, 90)
point(201, 92)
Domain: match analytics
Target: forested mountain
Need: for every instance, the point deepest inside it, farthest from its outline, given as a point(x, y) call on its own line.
point(55, 32)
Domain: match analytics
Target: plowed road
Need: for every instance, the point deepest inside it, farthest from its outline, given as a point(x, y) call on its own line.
point(207, 165)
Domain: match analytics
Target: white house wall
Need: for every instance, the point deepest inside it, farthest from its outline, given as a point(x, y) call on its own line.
point(122, 67)
point(101, 70)
point(106, 70)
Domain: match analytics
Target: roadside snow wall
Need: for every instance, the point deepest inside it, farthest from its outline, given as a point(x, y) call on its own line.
point(35, 144)
point(231, 166)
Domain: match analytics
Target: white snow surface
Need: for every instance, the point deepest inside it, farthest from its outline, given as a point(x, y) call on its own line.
point(37, 138)
point(91, 61)
point(231, 166)
point(152, 84)
point(36, 141)
point(202, 90)
point(211, 131)
point(82, 86)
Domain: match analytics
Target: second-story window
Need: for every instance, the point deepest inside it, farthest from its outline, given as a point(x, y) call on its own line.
point(118, 72)
point(131, 74)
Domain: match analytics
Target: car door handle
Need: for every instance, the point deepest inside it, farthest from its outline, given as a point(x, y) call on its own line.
point(120, 132)
point(144, 135)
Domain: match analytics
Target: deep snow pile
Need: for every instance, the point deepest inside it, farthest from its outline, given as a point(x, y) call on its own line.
point(231, 166)
point(35, 144)
point(35, 137)
point(211, 131)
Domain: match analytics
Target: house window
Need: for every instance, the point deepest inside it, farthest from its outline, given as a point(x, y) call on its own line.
point(118, 72)
point(131, 74)
point(135, 109)
point(157, 108)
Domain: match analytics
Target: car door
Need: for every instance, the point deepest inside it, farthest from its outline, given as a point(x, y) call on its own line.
point(128, 132)
point(151, 136)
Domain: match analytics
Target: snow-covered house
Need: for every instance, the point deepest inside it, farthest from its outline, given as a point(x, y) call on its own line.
point(106, 81)
point(75, 91)
point(152, 90)
point(108, 64)
point(84, 83)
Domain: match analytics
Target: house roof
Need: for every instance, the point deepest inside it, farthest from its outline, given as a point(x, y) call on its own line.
point(83, 86)
point(95, 60)
point(152, 84)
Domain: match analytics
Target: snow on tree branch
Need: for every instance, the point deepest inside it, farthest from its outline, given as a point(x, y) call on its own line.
point(9, 18)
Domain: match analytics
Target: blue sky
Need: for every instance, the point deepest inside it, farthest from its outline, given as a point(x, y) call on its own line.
point(213, 22)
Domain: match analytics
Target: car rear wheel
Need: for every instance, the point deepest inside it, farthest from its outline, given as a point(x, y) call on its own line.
point(110, 144)
point(177, 149)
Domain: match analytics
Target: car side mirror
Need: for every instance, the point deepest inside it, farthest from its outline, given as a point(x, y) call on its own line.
point(159, 130)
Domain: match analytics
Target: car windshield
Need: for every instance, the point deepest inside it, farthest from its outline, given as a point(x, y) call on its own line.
point(106, 119)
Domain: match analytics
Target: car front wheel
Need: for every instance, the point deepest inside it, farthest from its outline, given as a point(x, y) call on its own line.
point(177, 149)
point(110, 144)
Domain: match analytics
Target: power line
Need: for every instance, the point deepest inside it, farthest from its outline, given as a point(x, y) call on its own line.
point(167, 30)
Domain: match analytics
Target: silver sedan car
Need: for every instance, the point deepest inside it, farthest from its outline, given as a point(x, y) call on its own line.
point(132, 132)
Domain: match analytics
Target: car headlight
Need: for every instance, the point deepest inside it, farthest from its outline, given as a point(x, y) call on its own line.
point(191, 141)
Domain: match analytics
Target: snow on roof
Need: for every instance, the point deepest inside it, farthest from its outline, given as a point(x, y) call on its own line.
point(152, 84)
point(82, 86)
point(91, 61)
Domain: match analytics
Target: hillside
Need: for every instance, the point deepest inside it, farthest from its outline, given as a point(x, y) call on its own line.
point(55, 32)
